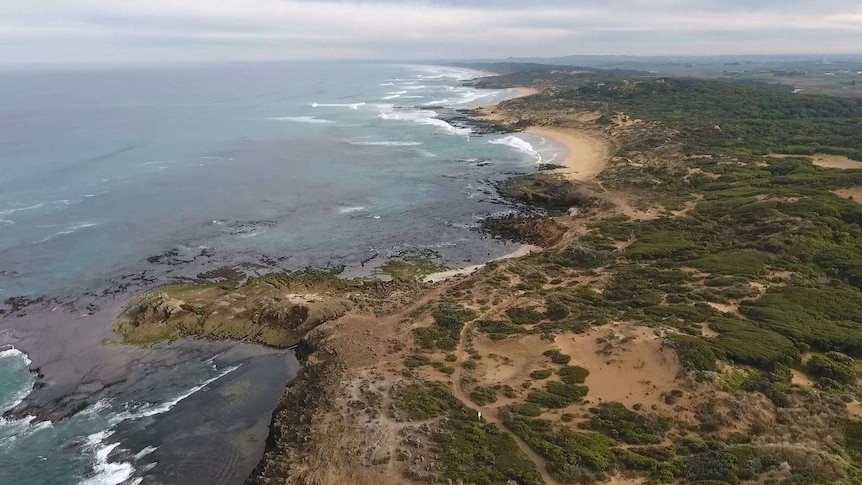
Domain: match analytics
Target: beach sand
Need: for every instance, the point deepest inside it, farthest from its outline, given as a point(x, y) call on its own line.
point(587, 152)
point(522, 251)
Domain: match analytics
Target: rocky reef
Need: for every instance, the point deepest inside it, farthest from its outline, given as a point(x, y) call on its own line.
point(274, 310)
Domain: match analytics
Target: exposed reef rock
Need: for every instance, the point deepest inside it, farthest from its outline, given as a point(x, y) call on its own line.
point(275, 310)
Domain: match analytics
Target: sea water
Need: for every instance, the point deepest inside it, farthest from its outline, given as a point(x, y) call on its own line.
point(103, 170)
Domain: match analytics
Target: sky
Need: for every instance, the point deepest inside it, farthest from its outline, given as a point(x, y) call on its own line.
point(156, 31)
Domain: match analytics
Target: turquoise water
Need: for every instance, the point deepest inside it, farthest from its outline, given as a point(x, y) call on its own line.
point(168, 172)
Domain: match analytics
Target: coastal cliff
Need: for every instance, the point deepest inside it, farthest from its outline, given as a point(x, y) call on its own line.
point(692, 317)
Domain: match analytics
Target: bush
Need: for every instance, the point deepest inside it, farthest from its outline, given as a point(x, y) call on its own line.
point(573, 374)
point(449, 319)
point(734, 262)
point(571, 456)
point(557, 357)
point(526, 409)
point(660, 245)
point(744, 343)
point(524, 316)
point(414, 361)
point(619, 423)
point(548, 400)
point(720, 466)
point(827, 318)
point(835, 366)
point(420, 402)
point(541, 374)
point(568, 391)
point(472, 452)
point(483, 395)
point(499, 330)
point(556, 310)
point(695, 353)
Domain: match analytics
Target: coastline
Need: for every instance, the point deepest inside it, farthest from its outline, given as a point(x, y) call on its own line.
point(316, 432)
point(587, 153)
point(149, 355)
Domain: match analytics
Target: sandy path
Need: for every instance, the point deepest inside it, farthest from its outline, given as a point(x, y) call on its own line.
point(587, 153)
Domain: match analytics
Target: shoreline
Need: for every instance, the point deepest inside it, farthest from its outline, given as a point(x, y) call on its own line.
point(440, 276)
point(587, 154)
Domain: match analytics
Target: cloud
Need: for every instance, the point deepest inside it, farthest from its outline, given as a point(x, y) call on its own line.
point(169, 30)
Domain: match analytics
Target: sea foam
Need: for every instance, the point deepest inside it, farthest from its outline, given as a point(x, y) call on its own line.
point(422, 117)
point(385, 143)
point(106, 472)
point(520, 145)
point(301, 119)
point(349, 210)
point(338, 105)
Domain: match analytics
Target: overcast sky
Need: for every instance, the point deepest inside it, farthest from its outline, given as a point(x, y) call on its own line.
point(52, 31)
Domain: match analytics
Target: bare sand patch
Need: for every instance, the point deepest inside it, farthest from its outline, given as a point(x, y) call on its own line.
point(826, 161)
point(627, 363)
point(524, 355)
point(724, 308)
point(621, 480)
point(853, 193)
point(800, 379)
point(522, 92)
point(835, 161)
point(855, 409)
point(587, 153)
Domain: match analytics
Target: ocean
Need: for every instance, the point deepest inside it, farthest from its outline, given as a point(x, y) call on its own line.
point(112, 180)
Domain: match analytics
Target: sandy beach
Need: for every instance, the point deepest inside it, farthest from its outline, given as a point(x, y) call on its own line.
point(587, 154)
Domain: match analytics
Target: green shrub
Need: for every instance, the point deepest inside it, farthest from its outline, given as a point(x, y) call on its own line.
point(414, 361)
point(526, 409)
point(695, 353)
point(734, 262)
point(483, 395)
point(548, 400)
point(568, 391)
point(573, 374)
point(826, 318)
point(853, 437)
point(499, 330)
point(541, 374)
point(571, 457)
point(524, 316)
point(449, 319)
point(472, 452)
point(555, 309)
point(619, 423)
point(557, 357)
point(719, 466)
point(660, 245)
point(834, 366)
point(745, 343)
point(420, 402)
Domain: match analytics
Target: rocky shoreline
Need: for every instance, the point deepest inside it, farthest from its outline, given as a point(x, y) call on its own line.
point(157, 314)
